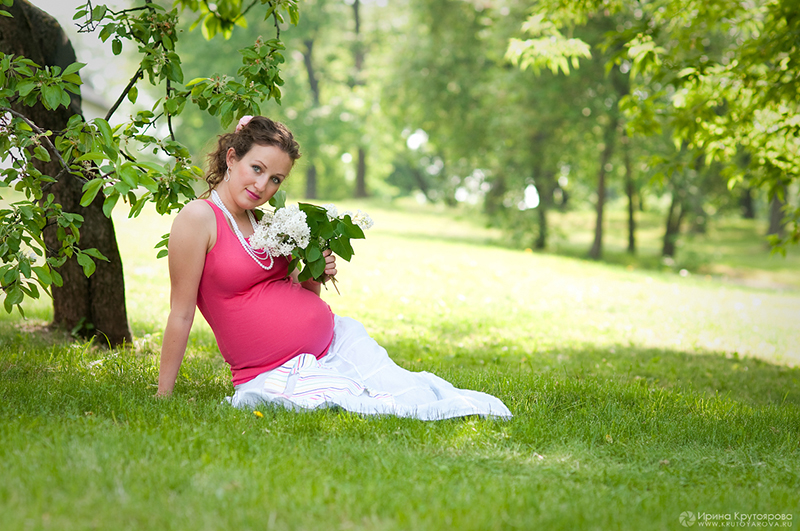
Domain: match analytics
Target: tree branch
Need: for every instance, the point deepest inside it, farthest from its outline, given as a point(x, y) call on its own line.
point(136, 77)
point(169, 115)
point(46, 141)
point(243, 13)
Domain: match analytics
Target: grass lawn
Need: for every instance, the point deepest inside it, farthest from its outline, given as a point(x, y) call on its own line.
point(640, 395)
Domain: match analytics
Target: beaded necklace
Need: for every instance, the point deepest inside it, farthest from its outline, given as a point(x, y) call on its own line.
point(254, 254)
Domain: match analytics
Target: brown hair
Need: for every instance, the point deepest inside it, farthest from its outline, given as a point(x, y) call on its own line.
point(259, 130)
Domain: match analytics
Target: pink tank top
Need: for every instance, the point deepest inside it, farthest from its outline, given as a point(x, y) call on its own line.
point(261, 319)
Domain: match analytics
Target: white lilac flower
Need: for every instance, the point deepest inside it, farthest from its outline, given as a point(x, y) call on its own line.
point(363, 220)
point(331, 210)
point(280, 232)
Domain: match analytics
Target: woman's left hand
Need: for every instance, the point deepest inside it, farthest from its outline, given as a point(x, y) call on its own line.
point(330, 263)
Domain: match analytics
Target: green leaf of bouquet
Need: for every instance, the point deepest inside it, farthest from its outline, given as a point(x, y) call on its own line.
point(326, 232)
point(317, 268)
point(313, 254)
point(342, 247)
point(294, 264)
point(279, 199)
point(305, 274)
point(354, 231)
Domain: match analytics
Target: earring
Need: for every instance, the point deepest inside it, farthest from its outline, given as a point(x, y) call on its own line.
point(228, 175)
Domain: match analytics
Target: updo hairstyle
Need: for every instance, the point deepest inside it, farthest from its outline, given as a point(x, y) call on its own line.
point(259, 130)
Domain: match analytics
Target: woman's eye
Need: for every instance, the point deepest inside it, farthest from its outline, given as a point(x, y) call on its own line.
point(276, 180)
point(257, 169)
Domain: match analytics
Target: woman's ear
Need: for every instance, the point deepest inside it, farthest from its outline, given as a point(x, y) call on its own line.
point(230, 157)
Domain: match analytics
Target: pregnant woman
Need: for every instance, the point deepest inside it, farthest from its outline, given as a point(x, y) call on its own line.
point(283, 343)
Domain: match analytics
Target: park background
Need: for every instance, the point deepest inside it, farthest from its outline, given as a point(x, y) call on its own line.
point(649, 377)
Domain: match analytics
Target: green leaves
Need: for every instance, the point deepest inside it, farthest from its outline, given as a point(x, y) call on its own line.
point(547, 49)
point(104, 154)
point(33, 83)
point(328, 231)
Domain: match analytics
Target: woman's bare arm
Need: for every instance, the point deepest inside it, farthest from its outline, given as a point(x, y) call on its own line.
point(193, 234)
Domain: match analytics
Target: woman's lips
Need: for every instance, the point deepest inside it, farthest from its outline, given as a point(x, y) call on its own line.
point(253, 196)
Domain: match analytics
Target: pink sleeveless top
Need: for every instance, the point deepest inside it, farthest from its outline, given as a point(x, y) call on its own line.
point(261, 319)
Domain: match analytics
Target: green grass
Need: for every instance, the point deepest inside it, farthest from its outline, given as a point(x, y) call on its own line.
point(638, 394)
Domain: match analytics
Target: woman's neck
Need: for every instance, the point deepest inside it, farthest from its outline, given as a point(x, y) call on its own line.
point(240, 216)
point(230, 204)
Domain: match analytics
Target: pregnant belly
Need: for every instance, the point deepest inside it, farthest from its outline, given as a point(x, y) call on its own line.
point(269, 326)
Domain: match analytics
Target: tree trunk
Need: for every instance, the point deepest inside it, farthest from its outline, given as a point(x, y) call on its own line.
point(630, 191)
point(361, 174)
point(541, 238)
point(493, 201)
point(748, 204)
point(777, 226)
point(313, 83)
point(673, 224)
point(358, 49)
point(358, 63)
point(94, 305)
point(311, 181)
point(596, 252)
point(421, 182)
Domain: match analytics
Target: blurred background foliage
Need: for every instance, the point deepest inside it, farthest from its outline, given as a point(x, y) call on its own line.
point(521, 111)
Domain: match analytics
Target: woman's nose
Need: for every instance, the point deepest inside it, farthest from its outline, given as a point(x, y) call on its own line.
point(261, 183)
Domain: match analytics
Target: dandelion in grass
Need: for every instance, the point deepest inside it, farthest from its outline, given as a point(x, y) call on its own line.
point(258, 414)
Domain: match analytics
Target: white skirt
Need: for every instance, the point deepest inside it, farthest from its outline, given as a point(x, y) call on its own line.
point(357, 375)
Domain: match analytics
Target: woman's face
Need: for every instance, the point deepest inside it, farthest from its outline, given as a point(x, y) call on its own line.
point(256, 177)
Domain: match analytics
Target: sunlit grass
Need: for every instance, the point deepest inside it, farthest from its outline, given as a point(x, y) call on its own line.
point(638, 394)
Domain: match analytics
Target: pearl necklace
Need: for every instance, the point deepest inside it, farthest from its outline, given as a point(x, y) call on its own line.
point(254, 254)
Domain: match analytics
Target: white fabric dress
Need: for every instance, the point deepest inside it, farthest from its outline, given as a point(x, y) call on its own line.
point(357, 375)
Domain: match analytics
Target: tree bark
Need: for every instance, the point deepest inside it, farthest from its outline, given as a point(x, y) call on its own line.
point(673, 224)
point(541, 238)
point(493, 201)
point(748, 204)
point(93, 306)
point(630, 191)
point(358, 62)
point(313, 83)
point(311, 181)
point(777, 226)
point(361, 173)
point(596, 251)
point(422, 183)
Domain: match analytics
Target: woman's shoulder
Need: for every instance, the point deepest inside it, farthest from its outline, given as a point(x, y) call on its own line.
point(196, 220)
point(196, 212)
point(197, 208)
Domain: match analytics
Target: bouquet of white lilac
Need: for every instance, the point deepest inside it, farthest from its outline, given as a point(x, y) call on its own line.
point(304, 231)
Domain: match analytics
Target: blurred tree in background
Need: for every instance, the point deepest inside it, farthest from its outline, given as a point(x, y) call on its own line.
point(721, 76)
point(517, 109)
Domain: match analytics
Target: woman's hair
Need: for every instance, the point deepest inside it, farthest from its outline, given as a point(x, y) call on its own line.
point(259, 130)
